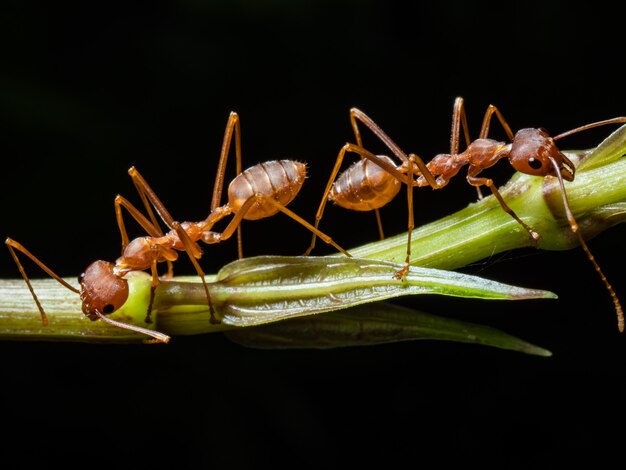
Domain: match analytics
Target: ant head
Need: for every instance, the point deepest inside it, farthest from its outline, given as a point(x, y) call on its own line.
point(101, 289)
point(534, 152)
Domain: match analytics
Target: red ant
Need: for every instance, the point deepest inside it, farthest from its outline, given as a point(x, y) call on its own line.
point(375, 180)
point(258, 192)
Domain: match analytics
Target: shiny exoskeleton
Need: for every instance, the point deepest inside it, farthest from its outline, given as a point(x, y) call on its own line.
point(258, 192)
point(365, 186)
point(532, 151)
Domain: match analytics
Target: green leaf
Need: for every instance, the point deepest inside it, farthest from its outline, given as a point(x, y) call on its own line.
point(610, 150)
point(265, 289)
point(374, 323)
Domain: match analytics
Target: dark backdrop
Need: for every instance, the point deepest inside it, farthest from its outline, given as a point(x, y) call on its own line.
point(88, 91)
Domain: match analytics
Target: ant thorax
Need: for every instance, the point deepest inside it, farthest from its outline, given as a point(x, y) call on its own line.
point(140, 253)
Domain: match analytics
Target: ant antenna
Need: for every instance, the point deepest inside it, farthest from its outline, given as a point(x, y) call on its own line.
point(159, 337)
point(574, 227)
point(586, 127)
point(12, 245)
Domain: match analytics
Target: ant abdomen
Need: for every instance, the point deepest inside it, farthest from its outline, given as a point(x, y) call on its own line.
point(279, 179)
point(365, 186)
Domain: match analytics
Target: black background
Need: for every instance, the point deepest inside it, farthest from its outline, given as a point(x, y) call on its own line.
point(88, 91)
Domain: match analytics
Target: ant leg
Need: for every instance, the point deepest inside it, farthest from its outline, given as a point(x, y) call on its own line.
point(357, 114)
point(320, 210)
point(233, 127)
point(152, 229)
point(459, 120)
point(484, 130)
point(190, 247)
point(193, 251)
point(149, 197)
point(146, 203)
point(411, 223)
point(259, 199)
point(379, 223)
point(146, 191)
point(155, 281)
point(12, 245)
point(489, 183)
point(149, 227)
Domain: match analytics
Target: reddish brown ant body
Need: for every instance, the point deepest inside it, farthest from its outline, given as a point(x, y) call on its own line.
point(101, 291)
point(374, 180)
point(258, 192)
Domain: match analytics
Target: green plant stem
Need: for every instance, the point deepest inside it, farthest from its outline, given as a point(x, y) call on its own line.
point(250, 292)
point(597, 198)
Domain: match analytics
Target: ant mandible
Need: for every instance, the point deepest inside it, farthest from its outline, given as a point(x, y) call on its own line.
point(258, 192)
point(374, 180)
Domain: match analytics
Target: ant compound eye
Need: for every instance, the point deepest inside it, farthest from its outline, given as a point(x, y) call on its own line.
point(81, 277)
point(534, 163)
point(108, 308)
